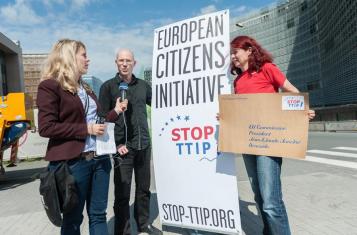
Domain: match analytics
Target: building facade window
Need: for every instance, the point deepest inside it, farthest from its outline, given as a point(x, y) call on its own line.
point(329, 44)
point(303, 6)
point(290, 23)
point(314, 85)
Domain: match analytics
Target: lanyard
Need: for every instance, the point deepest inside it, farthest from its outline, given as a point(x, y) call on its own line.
point(86, 103)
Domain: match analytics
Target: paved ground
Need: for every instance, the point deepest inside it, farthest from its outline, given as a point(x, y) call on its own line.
point(322, 201)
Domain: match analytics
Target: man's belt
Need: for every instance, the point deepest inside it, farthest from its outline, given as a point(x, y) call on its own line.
point(88, 155)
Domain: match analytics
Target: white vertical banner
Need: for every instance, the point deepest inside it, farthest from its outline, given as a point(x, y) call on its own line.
point(196, 185)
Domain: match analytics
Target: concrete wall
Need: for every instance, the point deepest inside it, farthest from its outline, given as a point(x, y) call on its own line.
point(333, 126)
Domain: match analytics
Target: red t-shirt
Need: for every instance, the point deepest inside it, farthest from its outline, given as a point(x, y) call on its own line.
point(267, 80)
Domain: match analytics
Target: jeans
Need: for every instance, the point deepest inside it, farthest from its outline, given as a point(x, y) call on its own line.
point(92, 180)
point(264, 177)
point(139, 161)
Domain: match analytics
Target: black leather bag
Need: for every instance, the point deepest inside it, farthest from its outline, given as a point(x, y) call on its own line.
point(49, 196)
point(59, 192)
point(67, 189)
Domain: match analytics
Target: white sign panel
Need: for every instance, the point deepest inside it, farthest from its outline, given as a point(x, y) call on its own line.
point(196, 186)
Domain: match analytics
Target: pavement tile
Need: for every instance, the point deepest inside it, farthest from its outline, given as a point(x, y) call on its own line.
point(317, 203)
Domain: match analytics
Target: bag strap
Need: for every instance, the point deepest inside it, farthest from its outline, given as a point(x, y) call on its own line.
point(86, 104)
point(86, 101)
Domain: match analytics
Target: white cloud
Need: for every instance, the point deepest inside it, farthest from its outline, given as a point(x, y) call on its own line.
point(80, 3)
point(50, 2)
point(101, 42)
point(208, 9)
point(71, 4)
point(239, 9)
point(101, 50)
point(20, 13)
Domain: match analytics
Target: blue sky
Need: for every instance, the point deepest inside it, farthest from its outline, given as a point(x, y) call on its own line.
point(105, 25)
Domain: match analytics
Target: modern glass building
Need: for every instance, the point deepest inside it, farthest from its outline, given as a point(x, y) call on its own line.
point(94, 82)
point(314, 42)
point(148, 75)
point(338, 50)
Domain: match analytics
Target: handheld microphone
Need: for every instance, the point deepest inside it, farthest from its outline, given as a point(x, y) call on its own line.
point(123, 87)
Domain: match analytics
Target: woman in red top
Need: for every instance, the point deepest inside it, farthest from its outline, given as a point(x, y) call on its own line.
point(257, 74)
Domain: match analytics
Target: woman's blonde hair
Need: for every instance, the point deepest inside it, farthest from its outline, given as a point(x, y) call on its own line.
point(61, 65)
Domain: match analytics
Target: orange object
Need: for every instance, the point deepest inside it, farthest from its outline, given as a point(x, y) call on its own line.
point(15, 107)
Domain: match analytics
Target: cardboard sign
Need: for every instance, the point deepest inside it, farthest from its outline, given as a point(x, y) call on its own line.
point(273, 124)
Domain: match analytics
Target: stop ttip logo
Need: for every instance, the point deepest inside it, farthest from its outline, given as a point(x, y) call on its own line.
point(189, 141)
point(293, 102)
point(192, 140)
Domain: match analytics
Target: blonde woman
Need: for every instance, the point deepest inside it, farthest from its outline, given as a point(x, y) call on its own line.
point(67, 116)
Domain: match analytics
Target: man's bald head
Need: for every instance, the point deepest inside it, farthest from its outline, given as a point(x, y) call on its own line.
point(125, 51)
point(125, 62)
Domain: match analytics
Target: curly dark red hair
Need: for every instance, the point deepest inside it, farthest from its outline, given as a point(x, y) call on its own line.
point(256, 60)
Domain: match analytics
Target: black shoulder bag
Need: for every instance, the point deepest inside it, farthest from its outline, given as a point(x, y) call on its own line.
point(59, 192)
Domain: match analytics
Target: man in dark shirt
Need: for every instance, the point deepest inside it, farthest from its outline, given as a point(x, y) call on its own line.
point(133, 142)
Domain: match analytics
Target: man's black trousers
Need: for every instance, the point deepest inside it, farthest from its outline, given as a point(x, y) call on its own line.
point(139, 161)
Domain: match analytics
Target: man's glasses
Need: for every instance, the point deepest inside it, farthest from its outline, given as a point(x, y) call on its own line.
point(123, 61)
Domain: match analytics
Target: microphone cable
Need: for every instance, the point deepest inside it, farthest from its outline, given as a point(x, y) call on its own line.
point(117, 156)
point(125, 128)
